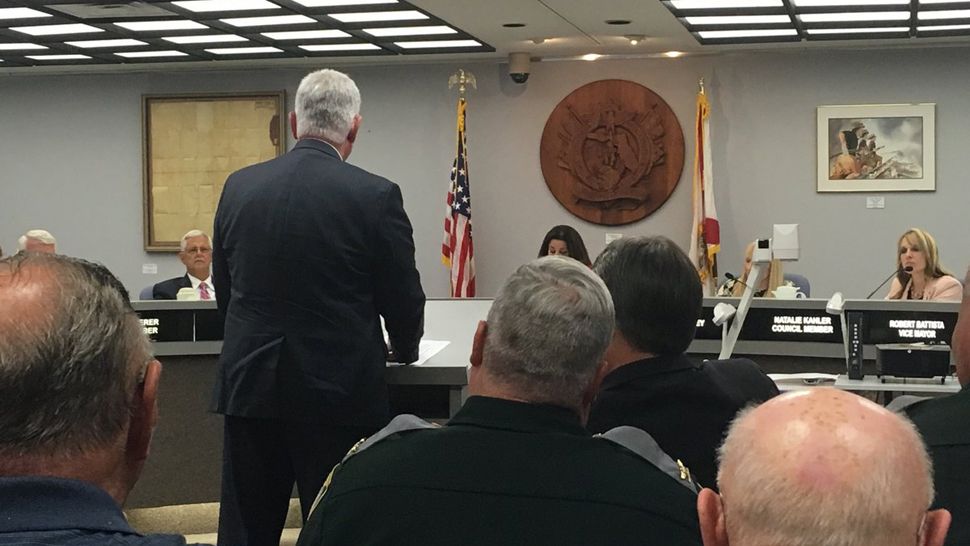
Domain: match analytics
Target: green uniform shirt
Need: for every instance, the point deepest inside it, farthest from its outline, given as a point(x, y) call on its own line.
point(502, 473)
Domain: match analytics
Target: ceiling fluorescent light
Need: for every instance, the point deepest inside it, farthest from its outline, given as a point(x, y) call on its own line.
point(945, 14)
point(435, 44)
point(711, 4)
point(333, 3)
point(243, 50)
point(848, 3)
point(205, 39)
point(940, 28)
point(57, 57)
point(941, 1)
point(200, 6)
point(719, 34)
point(21, 13)
point(339, 47)
point(51, 30)
point(268, 21)
point(863, 30)
point(20, 46)
point(410, 31)
point(150, 26)
point(306, 34)
point(738, 20)
point(122, 42)
point(147, 54)
point(368, 16)
point(854, 16)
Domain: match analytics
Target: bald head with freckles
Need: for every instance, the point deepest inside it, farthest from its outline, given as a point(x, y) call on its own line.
point(821, 467)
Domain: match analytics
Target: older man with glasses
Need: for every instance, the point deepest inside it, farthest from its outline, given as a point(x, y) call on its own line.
point(196, 253)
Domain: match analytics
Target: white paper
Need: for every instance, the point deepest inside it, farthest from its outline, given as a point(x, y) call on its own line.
point(427, 349)
point(808, 378)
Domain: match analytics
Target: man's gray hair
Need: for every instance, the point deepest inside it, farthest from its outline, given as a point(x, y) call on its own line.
point(41, 235)
point(71, 356)
point(548, 329)
point(193, 233)
point(874, 507)
point(326, 103)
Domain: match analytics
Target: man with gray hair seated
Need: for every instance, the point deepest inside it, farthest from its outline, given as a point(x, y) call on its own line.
point(515, 464)
point(822, 467)
point(195, 252)
point(37, 240)
point(78, 388)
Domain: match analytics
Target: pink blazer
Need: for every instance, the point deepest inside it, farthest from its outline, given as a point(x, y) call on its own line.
point(945, 288)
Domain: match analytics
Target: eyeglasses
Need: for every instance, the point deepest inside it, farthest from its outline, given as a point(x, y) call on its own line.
point(198, 250)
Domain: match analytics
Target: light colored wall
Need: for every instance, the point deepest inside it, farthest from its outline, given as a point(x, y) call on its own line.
point(70, 147)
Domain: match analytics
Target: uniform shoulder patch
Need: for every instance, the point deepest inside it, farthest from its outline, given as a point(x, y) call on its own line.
point(643, 445)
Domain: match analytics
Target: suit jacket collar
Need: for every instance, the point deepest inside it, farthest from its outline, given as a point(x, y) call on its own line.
point(319, 145)
point(647, 367)
point(498, 413)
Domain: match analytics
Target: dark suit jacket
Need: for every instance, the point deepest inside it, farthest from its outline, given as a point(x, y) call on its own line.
point(685, 406)
point(308, 252)
point(945, 426)
point(167, 290)
point(502, 473)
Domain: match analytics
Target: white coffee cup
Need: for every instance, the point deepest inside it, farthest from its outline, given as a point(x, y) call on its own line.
point(786, 292)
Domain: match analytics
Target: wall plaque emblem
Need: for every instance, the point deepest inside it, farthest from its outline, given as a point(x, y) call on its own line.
point(612, 152)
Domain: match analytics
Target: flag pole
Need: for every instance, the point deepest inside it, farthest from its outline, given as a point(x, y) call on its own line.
point(457, 248)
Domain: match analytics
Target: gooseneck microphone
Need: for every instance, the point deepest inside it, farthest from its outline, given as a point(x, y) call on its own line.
point(907, 269)
point(731, 277)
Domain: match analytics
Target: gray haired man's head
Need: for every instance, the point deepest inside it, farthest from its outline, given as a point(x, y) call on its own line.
point(327, 102)
point(37, 240)
point(72, 354)
point(547, 331)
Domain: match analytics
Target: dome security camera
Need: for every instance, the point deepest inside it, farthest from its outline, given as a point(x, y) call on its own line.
point(519, 67)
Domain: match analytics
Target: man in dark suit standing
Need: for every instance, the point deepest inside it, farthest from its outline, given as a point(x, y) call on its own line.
point(309, 253)
point(195, 252)
point(650, 383)
point(945, 426)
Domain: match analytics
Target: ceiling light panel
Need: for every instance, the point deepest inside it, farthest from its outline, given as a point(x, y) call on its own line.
point(202, 6)
point(722, 4)
point(434, 44)
point(339, 47)
point(410, 31)
point(760, 33)
point(243, 50)
point(338, 3)
point(20, 46)
point(941, 28)
point(854, 16)
point(120, 42)
point(307, 34)
point(151, 54)
point(54, 30)
point(155, 26)
point(738, 20)
point(371, 16)
point(268, 21)
point(944, 14)
point(862, 30)
point(21, 13)
point(848, 3)
point(205, 39)
point(67, 57)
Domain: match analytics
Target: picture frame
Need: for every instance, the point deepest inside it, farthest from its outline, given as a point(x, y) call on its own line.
point(876, 148)
point(190, 145)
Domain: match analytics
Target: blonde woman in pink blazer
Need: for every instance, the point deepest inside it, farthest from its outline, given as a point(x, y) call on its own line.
point(920, 275)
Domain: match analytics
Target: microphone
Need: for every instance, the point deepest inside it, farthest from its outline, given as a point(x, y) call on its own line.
point(731, 277)
point(907, 269)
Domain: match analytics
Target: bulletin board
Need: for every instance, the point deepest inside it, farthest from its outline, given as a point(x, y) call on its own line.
point(191, 144)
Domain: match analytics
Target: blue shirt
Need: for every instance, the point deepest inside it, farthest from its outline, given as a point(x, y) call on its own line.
point(46, 511)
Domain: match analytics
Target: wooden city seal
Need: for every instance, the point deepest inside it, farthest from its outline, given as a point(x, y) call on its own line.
point(612, 152)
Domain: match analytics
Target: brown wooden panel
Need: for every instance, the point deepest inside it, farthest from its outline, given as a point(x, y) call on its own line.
point(612, 152)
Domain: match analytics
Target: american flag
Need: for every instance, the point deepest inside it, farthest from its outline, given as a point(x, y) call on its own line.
point(456, 250)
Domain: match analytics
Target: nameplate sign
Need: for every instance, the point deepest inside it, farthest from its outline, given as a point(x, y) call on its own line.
point(168, 325)
point(907, 327)
point(773, 324)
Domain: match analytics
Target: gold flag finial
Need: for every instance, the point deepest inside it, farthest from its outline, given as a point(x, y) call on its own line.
point(462, 79)
point(700, 85)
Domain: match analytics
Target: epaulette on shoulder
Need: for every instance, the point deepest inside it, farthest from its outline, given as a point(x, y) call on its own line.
point(401, 423)
point(643, 445)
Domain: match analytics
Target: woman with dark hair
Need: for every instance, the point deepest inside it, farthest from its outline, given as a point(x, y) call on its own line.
point(564, 241)
point(919, 273)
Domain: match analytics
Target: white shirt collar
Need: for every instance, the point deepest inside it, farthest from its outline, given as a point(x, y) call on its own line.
point(196, 282)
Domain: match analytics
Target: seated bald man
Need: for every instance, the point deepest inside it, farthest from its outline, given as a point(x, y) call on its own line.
point(37, 240)
point(822, 467)
point(196, 253)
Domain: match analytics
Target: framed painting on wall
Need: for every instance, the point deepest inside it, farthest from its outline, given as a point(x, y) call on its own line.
point(876, 148)
point(191, 143)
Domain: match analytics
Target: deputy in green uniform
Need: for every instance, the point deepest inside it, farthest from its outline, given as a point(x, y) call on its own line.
point(515, 465)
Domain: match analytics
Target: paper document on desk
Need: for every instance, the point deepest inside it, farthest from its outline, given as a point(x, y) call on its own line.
point(427, 349)
point(807, 378)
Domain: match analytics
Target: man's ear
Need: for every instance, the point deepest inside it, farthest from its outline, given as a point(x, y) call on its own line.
point(478, 344)
point(710, 513)
point(354, 128)
point(293, 125)
point(144, 415)
point(935, 527)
